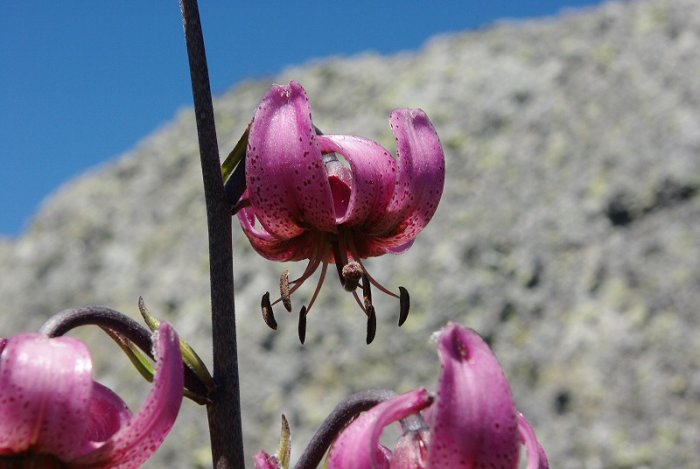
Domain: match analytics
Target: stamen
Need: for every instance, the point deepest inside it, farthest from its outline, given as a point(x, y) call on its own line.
point(301, 329)
point(366, 289)
point(267, 314)
point(404, 305)
point(371, 324)
point(321, 278)
point(381, 287)
point(351, 273)
point(340, 261)
point(359, 303)
point(308, 272)
point(311, 267)
point(285, 294)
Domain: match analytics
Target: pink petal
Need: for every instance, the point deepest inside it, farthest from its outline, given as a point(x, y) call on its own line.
point(135, 442)
point(285, 175)
point(266, 461)
point(373, 172)
point(275, 249)
point(536, 457)
point(474, 421)
point(358, 446)
point(108, 413)
point(45, 389)
point(420, 180)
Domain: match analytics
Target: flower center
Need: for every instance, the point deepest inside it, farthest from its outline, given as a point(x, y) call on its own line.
point(340, 181)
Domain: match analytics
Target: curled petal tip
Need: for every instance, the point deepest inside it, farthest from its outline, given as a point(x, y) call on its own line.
point(536, 457)
point(474, 399)
point(134, 443)
point(358, 445)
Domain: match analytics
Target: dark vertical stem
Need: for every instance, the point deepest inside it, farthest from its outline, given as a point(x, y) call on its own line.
point(225, 411)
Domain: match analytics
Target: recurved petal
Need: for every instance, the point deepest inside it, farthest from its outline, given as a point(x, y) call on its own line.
point(420, 181)
point(136, 441)
point(45, 389)
point(358, 446)
point(284, 166)
point(373, 172)
point(274, 249)
point(536, 457)
point(474, 421)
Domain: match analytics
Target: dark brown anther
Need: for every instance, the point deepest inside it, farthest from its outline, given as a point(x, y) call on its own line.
point(352, 273)
point(284, 291)
point(404, 305)
point(302, 325)
point(267, 315)
point(371, 324)
point(366, 290)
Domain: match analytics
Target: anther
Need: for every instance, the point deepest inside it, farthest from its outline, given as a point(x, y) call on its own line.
point(267, 315)
point(284, 291)
point(366, 290)
point(404, 305)
point(371, 324)
point(352, 273)
point(302, 325)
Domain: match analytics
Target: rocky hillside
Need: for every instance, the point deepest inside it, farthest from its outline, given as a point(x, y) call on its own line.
point(568, 235)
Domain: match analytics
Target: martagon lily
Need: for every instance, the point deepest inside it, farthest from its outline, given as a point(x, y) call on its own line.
point(335, 198)
point(471, 423)
point(52, 413)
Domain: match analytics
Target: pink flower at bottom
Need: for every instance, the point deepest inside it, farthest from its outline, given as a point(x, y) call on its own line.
point(472, 422)
point(52, 413)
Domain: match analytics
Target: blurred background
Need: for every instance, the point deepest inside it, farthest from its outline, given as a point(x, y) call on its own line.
point(567, 234)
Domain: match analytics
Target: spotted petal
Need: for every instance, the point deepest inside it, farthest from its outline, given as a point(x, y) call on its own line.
point(474, 421)
point(358, 446)
point(284, 166)
point(45, 390)
point(135, 442)
point(273, 248)
point(420, 180)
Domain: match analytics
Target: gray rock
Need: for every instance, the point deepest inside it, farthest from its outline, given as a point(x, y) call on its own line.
point(567, 236)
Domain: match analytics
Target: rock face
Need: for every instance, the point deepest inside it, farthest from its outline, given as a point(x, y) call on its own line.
point(568, 235)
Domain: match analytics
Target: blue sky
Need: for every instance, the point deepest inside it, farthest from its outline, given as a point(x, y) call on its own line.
point(82, 81)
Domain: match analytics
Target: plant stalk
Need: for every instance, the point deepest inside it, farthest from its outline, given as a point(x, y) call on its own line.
point(225, 410)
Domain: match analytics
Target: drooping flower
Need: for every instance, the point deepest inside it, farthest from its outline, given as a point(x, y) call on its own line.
point(336, 198)
point(52, 413)
point(472, 423)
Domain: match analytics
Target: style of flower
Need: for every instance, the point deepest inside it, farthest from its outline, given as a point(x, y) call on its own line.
point(52, 413)
point(472, 422)
point(335, 198)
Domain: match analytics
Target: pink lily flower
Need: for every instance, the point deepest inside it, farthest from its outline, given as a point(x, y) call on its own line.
point(336, 198)
point(472, 422)
point(52, 414)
